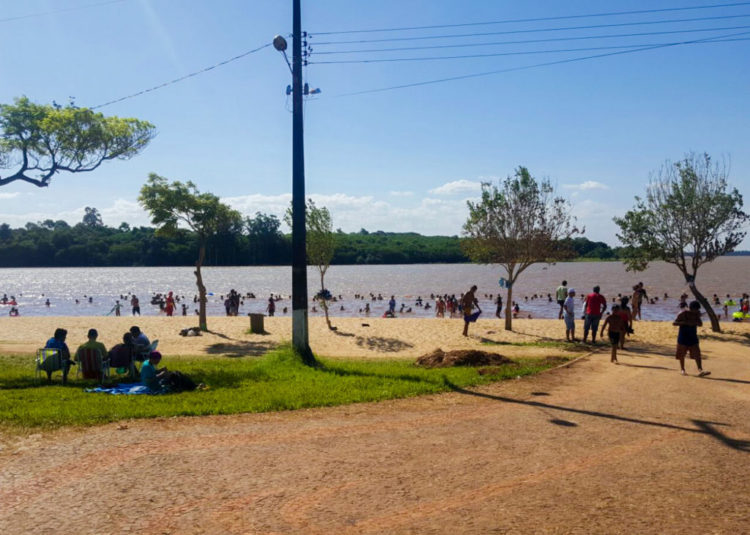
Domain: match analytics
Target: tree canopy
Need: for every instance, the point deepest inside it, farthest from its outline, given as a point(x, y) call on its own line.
point(175, 203)
point(517, 224)
point(37, 141)
point(689, 217)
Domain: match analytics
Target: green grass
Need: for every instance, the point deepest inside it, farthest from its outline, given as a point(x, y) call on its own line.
point(276, 381)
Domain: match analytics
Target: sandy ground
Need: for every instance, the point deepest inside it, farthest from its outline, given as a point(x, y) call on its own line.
point(355, 337)
point(588, 448)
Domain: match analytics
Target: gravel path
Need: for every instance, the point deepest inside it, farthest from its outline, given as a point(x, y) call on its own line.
point(590, 448)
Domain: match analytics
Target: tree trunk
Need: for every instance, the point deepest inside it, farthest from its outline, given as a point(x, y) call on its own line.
point(715, 326)
point(201, 289)
point(323, 302)
point(509, 309)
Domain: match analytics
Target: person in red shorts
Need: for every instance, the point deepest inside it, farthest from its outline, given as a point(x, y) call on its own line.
point(687, 337)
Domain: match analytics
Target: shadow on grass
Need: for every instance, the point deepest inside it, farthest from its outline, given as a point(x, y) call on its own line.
point(701, 426)
point(544, 342)
point(240, 349)
point(383, 345)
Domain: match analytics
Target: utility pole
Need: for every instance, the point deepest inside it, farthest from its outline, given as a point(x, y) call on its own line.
point(300, 336)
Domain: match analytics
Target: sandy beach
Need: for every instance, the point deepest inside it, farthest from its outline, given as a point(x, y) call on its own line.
point(354, 337)
point(586, 448)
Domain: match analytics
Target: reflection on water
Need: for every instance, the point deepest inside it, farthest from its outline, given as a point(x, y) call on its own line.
point(62, 286)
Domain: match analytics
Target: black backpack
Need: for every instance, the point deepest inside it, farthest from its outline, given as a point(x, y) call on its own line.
point(177, 382)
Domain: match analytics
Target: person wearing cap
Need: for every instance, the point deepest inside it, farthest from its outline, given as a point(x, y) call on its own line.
point(569, 312)
point(150, 374)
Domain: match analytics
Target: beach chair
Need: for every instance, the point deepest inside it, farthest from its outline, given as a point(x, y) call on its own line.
point(48, 360)
point(92, 364)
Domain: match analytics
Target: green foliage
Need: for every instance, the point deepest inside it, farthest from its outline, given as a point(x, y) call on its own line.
point(516, 225)
point(276, 381)
point(41, 140)
point(689, 217)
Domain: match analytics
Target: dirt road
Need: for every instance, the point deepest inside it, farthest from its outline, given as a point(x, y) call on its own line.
point(592, 448)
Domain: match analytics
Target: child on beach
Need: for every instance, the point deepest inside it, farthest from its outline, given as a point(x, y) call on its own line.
point(617, 328)
point(687, 337)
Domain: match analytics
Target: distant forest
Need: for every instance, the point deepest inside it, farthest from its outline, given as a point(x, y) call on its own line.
point(258, 241)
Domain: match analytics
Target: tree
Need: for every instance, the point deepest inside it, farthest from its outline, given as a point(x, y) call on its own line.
point(266, 242)
point(173, 204)
point(516, 225)
point(688, 218)
point(92, 218)
point(321, 245)
point(38, 140)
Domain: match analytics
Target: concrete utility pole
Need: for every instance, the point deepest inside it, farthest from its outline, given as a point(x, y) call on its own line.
point(300, 336)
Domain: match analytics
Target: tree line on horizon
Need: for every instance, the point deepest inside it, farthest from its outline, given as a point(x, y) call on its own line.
point(257, 241)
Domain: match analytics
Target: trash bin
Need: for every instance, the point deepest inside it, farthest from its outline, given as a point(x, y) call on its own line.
point(256, 323)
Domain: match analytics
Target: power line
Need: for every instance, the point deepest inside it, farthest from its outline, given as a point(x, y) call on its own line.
point(522, 53)
point(181, 78)
point(40, 14)
point(537, 19)
point(525, 41)
point(536, 65)
point(537, 30)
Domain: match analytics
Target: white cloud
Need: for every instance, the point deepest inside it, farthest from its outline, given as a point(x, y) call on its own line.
point(587, 185)
point(9, 195)
point(457, 186)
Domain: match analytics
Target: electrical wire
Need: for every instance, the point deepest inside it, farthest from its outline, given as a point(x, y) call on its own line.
point(181, 78)
point(525, 41)
point(539, 30)
point(40, 14)
point(536, 65)
point(538, 19)
point(521, 53)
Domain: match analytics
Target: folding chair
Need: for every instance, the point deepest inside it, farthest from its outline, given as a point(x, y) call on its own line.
point(92, 364)
point(48, 360)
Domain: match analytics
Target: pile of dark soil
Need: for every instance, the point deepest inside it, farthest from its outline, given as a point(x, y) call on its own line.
point(464, 357)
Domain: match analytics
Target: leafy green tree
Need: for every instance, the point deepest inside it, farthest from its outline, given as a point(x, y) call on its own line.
point(173, 204)
point(266, 242)
point(518, 224)
point(321, 245)
point(37, 140)
point(689, 217)
point(92, 218)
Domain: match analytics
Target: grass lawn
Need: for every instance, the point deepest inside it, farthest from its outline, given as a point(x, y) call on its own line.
point(273, 382)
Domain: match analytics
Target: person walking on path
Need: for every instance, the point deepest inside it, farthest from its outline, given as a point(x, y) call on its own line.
point(595, 304)
point(562, 294)
point(616, 330)
point(687, 337)
point(468, 302)
point(569, 313)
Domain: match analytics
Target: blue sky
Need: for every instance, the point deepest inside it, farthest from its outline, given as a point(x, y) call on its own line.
point(401, 160)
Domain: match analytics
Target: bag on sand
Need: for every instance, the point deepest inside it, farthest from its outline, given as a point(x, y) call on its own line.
point(177, 382)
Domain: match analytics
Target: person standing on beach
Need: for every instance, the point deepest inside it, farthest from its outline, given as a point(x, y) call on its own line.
point(271, 308)
point(569, 306)
point(136, 305)
point(392, 305)
point(562, 294)
point(639, 293)
point(687, 337)
point(595, 305)
point(468, 302)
